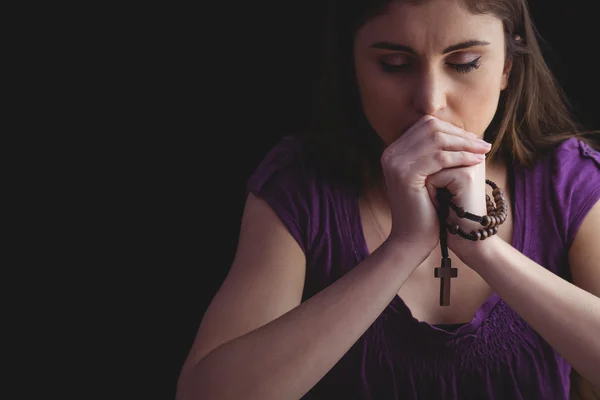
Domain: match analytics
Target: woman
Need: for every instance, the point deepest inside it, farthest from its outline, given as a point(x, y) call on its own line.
point(333, 291)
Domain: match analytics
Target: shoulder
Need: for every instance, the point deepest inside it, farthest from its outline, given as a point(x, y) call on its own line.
point(286, 179)
point(574, 171)
point(571, 174)
point(573, 154)
point(285, 170)
point(569, 166)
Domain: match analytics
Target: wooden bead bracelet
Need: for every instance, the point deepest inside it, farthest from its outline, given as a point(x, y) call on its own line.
point(496, 215)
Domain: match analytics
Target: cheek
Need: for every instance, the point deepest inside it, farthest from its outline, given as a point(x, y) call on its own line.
point(478, 106)
point(383, 102)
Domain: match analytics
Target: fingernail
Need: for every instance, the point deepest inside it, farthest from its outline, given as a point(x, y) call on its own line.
point(484, 142)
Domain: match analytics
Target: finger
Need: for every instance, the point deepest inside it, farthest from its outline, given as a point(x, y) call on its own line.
point(438, 140)
point(429, 127)
point(443, 179)
point(460, 182)
point(432, 190)
point(409, 138)
point(435, 124)
point(441, 159)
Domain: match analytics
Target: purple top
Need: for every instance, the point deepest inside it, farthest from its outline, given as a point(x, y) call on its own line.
point(495, 356)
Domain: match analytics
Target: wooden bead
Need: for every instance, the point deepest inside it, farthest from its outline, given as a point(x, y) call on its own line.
point(485, 221)
point(497, 211)
point(484, 234)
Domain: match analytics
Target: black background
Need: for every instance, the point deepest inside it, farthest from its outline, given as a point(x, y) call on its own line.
point(211, 90)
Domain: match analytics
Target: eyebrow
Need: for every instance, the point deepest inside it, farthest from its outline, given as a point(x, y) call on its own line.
point(454, 47)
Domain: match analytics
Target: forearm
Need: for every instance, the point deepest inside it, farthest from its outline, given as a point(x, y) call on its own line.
point(566, 316)
point(287, 357)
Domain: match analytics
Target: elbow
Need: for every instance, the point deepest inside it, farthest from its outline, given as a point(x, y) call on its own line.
point(193, 385)
point(184, 390)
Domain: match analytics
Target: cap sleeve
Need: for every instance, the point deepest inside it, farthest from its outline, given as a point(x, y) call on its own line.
point(576, 183)
point(282, 179)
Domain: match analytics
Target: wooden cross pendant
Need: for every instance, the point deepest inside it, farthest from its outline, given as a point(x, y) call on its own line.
point(446, 273)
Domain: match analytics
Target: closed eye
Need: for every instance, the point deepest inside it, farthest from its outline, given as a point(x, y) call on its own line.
point(460, 68)
point(466, 68)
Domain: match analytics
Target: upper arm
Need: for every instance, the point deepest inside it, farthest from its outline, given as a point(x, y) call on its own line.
point(584, 260)
point(265, 281)
point(584, 254)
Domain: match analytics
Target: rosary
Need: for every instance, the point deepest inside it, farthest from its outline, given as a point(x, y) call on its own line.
point(496, 215)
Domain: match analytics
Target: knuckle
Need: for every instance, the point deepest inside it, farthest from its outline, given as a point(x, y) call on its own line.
point(466, 174)
point(431, 122)
point(471, 176)
point(437, 137)
point(441, 157)
point(395, 164)
point(387, 158)
point(384, 158)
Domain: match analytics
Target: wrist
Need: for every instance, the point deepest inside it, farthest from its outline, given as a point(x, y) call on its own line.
point(478, 254)
point(411, 250)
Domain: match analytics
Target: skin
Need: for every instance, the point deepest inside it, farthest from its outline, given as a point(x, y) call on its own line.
point(259, 305)
point(428, 84)
point(566, 315)
point(452, 68)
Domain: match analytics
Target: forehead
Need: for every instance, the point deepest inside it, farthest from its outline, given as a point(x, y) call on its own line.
point(430, 25)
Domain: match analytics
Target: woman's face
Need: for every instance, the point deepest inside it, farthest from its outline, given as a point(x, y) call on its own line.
point(435, 58)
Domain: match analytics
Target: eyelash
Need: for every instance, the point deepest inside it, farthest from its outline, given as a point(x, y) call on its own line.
point(460, 68)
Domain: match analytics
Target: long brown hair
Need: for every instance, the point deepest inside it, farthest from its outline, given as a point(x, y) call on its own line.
point(533, 113)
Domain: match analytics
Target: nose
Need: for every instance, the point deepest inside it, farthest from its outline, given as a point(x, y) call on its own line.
point(429, 93)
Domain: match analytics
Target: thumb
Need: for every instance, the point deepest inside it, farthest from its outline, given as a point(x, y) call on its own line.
point(444, 179)
point(465, 184)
